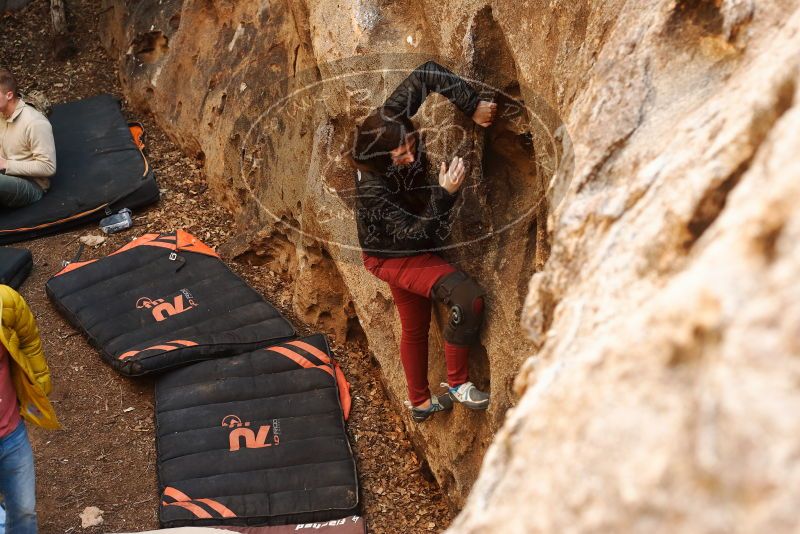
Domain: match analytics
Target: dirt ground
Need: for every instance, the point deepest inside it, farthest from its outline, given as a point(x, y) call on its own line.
point(105, 454)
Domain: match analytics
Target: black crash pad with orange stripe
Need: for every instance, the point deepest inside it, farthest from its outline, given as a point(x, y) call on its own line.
point(15, 266)
point(164, 300)
point(257, 438)
point(100, 169)
point(346, 525)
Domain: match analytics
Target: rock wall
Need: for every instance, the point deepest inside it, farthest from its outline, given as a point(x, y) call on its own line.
point(661, 398)
point(658, 265)
point(215, 73)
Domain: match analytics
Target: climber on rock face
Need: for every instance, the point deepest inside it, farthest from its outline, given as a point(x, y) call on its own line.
point(400, 217)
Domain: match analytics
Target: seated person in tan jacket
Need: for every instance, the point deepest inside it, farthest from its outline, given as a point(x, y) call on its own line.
point(27, 148)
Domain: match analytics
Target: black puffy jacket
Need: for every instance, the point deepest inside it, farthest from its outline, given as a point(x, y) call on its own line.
point(401, 212)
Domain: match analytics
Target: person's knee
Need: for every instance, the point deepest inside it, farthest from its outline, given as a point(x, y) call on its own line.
point(415, 327)
point(21, 515)
point(415, 334)
point(21, 502)
point(17, 192)
point(464, 300)
point(21, 512)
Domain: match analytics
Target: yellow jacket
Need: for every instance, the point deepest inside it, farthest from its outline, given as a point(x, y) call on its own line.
point(29, 374)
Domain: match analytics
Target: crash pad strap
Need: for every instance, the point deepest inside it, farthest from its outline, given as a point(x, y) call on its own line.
point(342, 384)
point(180, 241)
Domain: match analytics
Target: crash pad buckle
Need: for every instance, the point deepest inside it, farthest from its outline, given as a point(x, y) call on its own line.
point(173, 256)
point(77, 257)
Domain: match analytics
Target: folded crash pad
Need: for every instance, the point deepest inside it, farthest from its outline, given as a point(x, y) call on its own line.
point(100, 169)
point(15, 266)
point(257, 438)
point(346, 525)
point(164, 300)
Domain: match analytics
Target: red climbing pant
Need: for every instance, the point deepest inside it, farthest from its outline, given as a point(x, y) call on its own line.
point(411, 278)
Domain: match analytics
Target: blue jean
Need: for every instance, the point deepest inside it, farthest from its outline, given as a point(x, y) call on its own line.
point(18, 482)
point(17, 192)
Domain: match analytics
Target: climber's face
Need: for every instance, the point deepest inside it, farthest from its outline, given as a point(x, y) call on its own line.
point(7, 102)
point(405, 153)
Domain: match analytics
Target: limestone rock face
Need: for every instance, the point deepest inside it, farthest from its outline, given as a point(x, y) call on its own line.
point(217, 74)
point(652, 179)
point(664, 392)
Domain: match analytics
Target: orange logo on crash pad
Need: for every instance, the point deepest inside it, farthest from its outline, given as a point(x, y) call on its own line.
point(239, 430)
point(162, 309)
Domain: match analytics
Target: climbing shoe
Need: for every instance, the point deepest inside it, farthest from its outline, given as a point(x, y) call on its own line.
point(470, 396)
point(439, 403)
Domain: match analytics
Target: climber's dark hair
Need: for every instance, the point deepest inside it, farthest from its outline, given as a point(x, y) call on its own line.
point(8, 82)
point(374, 139)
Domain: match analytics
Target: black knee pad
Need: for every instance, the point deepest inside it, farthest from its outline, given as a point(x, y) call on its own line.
point(464, 300)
